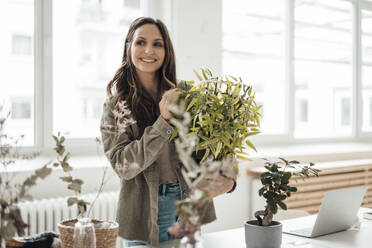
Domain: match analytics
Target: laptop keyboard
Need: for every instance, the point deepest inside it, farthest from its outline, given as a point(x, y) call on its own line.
point(303, 232)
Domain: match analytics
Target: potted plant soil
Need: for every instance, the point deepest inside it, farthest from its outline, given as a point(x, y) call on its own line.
point(264, 232)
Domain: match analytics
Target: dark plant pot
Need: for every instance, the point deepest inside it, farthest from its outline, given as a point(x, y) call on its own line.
point(257, 236)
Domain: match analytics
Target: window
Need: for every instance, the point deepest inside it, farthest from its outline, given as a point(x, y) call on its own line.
point(21, 109)
point(323, 53)
point(301, 54)
point(22, 45)
point(17, 68)
point(366, 50)
point(302, 108)
point(132, 4)
point(367, 109)
point(303, 115)
point(87, 50)
point(370, 112)
point(253, 48)
point(345, 111)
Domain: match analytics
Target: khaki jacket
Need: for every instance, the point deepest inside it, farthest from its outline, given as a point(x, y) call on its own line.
point(138, 200)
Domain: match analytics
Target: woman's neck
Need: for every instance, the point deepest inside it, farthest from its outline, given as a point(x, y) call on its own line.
point(149, 81)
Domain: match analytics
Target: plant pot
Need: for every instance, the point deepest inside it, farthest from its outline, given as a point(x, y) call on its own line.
point(105, 236)
point(257, 236)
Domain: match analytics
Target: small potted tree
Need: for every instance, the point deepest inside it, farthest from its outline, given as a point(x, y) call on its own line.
point(264, 232)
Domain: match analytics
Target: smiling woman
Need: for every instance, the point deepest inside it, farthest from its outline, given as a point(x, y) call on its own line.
point(135, 132)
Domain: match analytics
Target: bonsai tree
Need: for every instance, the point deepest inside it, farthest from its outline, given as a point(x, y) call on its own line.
point(276, 186)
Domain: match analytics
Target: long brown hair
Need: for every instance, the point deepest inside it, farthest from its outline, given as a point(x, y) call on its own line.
point(126, 83)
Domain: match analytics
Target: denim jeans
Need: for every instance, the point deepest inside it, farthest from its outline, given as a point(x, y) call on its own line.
point(168, 193)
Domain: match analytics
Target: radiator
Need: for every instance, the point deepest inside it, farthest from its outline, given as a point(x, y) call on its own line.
point(334, 175)
point(44, 215)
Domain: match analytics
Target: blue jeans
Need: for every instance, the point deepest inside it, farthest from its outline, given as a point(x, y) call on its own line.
point(168, 193)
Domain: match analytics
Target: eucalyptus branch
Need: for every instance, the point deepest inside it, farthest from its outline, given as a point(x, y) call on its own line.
point(103, 181)
point(74, 184)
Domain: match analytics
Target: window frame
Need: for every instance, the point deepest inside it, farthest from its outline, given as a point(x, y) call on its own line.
point(287, 138)
point(43, 77)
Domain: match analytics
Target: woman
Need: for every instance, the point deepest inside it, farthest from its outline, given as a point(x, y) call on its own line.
point(135, 132)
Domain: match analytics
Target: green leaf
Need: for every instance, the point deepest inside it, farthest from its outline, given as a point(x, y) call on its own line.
point(273, 207)
point(279, 198)
point(193, 101)
point(43, 172)
point(204, 74)
point(198, 75)
point(249, 143)
point(234, 78)
point(206, 154)
point(261, 191)
point(243, 158)
point(293, 189)
point(174, 134)
point(282, 205)
point(66, 179)
point(71, 201)
point(78, 181)
point(66, 167)
point(285, 178)
point(219, 147)
point(75, 187)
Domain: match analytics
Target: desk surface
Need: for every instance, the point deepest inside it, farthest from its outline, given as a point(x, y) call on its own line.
point(352, 238)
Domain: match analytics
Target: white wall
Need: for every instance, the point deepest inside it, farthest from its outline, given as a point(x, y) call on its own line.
point(197, 36)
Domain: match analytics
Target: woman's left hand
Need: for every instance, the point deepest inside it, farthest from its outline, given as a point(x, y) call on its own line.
point(218, 186)
point(166, 100)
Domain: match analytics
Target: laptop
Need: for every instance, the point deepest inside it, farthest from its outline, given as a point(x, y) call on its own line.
point(337, 212)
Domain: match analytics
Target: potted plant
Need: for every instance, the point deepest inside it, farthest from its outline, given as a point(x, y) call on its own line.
point(82, 231)
point(213, 119)
point(264, 232)
point(223, 115)
point(11, 192)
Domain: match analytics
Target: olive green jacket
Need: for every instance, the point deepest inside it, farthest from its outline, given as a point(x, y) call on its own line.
point(138, 200)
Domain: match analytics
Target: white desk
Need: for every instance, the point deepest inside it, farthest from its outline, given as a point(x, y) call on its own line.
point(352, 238)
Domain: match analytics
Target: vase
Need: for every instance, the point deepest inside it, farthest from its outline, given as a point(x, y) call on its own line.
point(192, 241)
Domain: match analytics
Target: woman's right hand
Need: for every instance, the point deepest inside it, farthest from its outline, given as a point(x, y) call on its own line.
point(165, 102)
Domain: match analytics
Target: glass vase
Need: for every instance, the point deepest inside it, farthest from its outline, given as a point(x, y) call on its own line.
point(192, 241)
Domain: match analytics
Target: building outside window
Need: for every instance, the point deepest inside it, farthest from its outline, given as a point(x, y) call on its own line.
point(94, 35)
point(366, 70)
point(17, 67)
point(22, 45)
point(253, 48)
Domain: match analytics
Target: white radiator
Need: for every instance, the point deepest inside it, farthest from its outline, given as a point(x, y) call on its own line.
point(44, 215)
